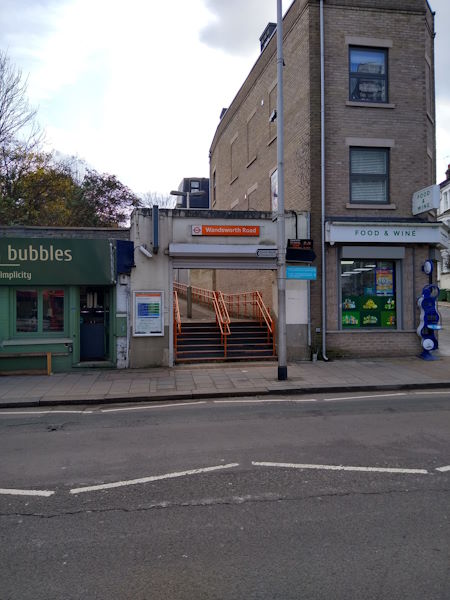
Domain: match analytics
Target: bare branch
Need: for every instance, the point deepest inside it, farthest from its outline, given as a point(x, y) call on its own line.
point(16, 115)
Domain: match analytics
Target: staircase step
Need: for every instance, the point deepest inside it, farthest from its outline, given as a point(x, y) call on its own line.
point(201, 342)
point(222, 359)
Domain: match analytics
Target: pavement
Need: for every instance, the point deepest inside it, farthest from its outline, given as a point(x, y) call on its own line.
point(230, 380)
point(236, 380)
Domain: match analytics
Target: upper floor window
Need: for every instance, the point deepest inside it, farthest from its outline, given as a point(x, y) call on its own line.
point(368, 74)
point(369, 175)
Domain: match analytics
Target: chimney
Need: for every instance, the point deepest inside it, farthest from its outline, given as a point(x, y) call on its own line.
point(447, 172)
point(267, 34)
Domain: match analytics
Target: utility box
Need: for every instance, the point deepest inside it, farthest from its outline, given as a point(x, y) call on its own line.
point(121, 325)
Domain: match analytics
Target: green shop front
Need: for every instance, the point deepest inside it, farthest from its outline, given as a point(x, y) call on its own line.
point(57, 297)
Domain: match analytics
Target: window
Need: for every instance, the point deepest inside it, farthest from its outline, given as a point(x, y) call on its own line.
point(234, 160)
point(251, 138)
point(368, 74)
point(274, 192)
point(272, 107)
point(368, 293)
point(39, 311)
point(369, 175)
point(429, 88)
point(214, 188)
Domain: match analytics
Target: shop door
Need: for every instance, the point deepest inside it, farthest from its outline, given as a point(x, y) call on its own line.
point(94, 323)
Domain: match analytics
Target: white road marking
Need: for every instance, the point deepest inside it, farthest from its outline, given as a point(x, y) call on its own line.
point(361, 397)
point(443, 469)
point(343, 468)
point(108, 410)
point(12, 492)
point(46, 412)
point(116, 484)
point(263, 401)
point(427, 393)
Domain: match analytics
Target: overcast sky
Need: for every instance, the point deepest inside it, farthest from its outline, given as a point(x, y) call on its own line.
point(136, 88)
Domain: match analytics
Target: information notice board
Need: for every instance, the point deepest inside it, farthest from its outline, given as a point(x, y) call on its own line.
point(148, 313)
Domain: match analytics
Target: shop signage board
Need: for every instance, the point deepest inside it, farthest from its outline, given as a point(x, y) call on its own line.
point(426, 199)
point(226, 230)
point(148, 313)
point(297, 272)
point(383, 233)
point(48, 261)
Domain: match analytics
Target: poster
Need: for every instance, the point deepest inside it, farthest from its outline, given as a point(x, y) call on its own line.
point(148, 313)
point(385, 282)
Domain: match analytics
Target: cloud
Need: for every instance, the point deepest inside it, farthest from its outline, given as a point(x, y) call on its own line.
point(237, 25)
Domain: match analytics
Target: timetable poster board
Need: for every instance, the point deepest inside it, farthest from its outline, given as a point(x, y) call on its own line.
point(148, 313)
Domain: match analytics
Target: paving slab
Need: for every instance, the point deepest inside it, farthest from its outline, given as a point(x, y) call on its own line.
point(222, 380)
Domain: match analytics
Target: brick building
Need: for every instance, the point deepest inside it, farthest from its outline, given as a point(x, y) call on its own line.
point(444, 217)
point(378, 149)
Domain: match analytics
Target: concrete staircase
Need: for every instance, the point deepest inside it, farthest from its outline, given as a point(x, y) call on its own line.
point(201, 342)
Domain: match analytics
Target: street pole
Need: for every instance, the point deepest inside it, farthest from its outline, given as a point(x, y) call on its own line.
point(281, 264)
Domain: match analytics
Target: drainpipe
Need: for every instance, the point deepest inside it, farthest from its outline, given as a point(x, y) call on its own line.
point(322, 183)
point(281, 270)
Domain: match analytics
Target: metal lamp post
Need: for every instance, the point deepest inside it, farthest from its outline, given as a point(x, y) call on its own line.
point(281, 271)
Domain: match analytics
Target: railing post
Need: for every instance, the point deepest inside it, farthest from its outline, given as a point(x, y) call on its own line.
point(189, 302)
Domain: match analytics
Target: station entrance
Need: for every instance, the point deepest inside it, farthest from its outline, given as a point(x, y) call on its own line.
point(222, 267)
point(211, 324)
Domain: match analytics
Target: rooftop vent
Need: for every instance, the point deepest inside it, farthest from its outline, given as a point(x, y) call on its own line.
point(267, 34)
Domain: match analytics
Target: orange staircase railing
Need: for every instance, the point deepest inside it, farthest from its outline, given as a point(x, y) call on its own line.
point(176, 320)
point(241, 305)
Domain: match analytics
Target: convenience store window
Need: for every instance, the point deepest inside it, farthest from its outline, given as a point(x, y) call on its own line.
point(368, 294)
point(39, 311)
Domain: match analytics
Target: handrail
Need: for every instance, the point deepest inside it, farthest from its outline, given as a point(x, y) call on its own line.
point(222, 319)
point(176, 319)
point(264, 312)
point(242, 304)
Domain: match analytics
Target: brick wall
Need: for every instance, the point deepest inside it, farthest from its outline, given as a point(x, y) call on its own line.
point(405, 27)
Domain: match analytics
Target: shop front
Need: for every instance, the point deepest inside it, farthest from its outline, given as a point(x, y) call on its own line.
point(56, 298)
point(374, 279)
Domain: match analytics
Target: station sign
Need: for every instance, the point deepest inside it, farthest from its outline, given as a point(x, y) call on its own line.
point(300, 250)
point(226, 230)
point(266, 252)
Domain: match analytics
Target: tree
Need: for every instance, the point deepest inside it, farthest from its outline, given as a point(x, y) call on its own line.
point(39, 189)
point(17, 117)
point(150, 199)
point(104, 201)
point(34, 190)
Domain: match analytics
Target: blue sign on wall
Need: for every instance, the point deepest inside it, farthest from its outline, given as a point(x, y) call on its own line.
point(297, 272)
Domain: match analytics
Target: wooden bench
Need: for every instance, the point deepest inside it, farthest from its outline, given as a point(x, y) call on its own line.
point(47, 355)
